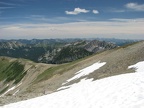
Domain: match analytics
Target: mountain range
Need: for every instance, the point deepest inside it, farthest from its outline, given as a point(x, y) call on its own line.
point(54, 51)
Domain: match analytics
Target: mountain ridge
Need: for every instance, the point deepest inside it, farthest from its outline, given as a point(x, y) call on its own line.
point(53, 51)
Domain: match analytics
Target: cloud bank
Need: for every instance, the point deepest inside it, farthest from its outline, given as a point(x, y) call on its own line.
point(118, 28)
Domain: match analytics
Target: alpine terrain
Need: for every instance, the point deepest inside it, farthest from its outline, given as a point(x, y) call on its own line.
point(53, 51)
point(110, 78)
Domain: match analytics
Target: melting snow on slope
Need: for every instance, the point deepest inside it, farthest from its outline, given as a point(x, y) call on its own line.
point(139, 67)
point(86, 71)
point(10, 89)
point(122, 91)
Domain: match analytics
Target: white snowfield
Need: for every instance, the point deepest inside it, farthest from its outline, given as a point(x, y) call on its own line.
point(122, 91)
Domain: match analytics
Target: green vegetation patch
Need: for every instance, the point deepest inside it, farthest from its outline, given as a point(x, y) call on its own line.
point(69, 54)
point(10, 71)
point(60, 69)
point(4, 90)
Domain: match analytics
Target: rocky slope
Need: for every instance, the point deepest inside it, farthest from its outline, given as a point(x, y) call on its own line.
point(98, 46)
point(41, 79)
point(10, 45)
point(52, 51)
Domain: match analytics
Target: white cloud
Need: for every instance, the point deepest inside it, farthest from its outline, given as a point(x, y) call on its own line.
point(95, 11)
point(135, 6)
point(77, 11)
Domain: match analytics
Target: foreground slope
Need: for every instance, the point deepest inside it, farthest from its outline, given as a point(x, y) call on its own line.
point(49, 80)
point(17, 74)
point(122, 91)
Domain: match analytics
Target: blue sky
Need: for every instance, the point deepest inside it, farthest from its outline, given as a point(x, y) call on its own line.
point(71, 18)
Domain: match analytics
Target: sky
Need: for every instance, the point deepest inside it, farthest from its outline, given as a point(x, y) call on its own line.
point(43, 19)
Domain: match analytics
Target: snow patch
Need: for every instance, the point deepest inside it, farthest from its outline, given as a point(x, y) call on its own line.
point(139, 67)
point(86, 71)
point(16, 92)
point(10, 89)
